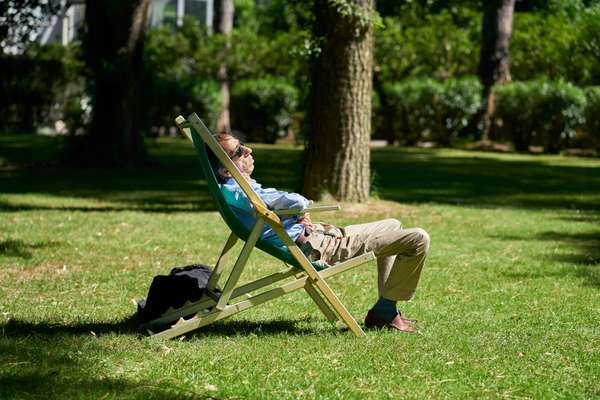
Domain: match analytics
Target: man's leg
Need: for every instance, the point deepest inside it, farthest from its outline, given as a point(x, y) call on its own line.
point(376, 233)
point(400, 255)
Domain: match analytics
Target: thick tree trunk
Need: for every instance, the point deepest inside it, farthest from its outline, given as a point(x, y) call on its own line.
point(223, 23)
point(494, 61)
point(113, 51)
point(336, 159)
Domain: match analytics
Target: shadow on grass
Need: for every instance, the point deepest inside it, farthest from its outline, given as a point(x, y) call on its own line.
point(41, 360)
point(16, 328)
point(18, 248)
point(585, 255)
point(587, 217)
point(426, 176)
point(59, 384)
point(176, 184)
point(156, 207)
point(130, 326)
point(256, 328)
point(47, 361)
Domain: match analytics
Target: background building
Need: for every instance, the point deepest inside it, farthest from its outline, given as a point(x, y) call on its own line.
point(63, 27)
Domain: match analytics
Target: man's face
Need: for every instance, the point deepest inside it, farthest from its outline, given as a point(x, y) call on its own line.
point(240, 154)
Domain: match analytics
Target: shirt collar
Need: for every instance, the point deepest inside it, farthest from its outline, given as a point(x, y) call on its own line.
point(253, 183)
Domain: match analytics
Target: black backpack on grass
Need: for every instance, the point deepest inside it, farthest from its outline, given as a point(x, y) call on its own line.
point(174, 290)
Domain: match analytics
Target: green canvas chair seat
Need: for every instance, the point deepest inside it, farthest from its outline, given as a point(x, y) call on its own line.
point(235, 298)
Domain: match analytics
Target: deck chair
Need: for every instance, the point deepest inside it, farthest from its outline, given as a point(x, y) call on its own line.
point(233, 298)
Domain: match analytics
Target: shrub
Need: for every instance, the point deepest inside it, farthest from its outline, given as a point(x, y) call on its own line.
point(174, 61)
point(414, 104)
point(180, 63)
point(262, 108)
point(560, 111)
point(539, 112)
point(166, 98)
point(459, 100)
point(377, 119)
point(28, 87)
point(592, 115)
point(428, 109)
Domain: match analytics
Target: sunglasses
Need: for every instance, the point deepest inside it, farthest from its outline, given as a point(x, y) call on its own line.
point(239, 151)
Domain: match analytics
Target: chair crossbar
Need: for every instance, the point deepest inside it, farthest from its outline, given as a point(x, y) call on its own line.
point(309, 209)
point(322, 304)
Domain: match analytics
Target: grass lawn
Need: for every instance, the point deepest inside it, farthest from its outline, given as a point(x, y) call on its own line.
point(508, 306)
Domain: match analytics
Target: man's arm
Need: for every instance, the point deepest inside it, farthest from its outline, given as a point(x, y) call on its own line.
point(279, 200)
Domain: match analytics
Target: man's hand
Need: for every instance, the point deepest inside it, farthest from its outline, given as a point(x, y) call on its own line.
point(305, 220)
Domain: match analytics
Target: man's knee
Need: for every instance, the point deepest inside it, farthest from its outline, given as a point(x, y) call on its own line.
point(393, 224)
point(423, 239)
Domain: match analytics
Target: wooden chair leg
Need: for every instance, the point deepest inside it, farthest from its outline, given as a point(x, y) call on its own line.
point(239, 265)
point(322, 304)
point(319, 282)
point(337, 305)
point(213, 281)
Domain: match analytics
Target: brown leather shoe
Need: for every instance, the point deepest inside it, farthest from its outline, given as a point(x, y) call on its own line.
point(398, 323)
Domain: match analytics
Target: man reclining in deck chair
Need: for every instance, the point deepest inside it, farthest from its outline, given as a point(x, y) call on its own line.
point(400, 252)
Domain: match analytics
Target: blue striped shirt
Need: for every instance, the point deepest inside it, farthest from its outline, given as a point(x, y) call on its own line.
point(274, 200)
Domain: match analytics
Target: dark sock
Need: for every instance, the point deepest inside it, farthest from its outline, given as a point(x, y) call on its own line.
point(385, 309)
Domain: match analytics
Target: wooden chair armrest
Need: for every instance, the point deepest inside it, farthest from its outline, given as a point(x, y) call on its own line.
point(309, 209)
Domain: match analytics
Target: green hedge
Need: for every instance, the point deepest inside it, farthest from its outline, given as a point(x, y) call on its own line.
point(458, 102)
point(262, 108)
point(177, 77)
point(426, 109)
point(543, 113)
point(29, 87)
point(592, 116)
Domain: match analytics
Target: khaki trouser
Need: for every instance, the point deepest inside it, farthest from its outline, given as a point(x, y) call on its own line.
point(400, 252)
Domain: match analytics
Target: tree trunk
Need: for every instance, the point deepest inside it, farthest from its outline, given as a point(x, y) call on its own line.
point(494, 61)
point(223, 23)
point(336, 159)
point(113, 53)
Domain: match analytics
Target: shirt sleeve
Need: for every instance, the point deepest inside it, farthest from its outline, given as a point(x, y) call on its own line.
point(278, 200)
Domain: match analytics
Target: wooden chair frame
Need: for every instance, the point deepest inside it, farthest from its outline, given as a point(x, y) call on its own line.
point(213, 307)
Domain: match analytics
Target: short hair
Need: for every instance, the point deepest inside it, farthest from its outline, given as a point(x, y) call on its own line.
point(215, 164)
